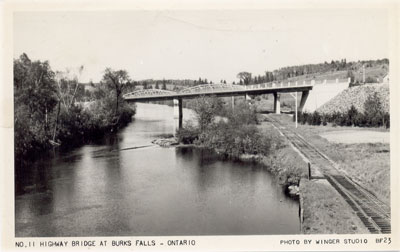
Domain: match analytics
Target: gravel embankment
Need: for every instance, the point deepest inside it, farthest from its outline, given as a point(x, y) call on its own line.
point(357, 96)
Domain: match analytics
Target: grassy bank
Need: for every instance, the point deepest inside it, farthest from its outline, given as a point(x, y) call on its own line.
point(283, 161)
point(366, 163)
point(324, 211)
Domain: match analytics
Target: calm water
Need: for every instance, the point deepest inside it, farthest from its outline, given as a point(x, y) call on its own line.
point(112, 189)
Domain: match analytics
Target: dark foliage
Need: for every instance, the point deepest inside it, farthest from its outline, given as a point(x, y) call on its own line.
point(233, 136)
point(48, 109)
point(373, 116)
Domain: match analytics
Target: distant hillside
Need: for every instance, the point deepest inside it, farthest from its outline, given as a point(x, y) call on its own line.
point(375, 70)
point(357, 96)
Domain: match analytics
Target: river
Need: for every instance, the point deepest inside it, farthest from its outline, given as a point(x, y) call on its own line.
point(112, 188)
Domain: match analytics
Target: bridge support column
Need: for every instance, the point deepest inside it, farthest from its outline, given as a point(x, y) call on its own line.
point(180, 104)
point(277, 103)
point(233, 102)
point(304, 96)
point(178, 111)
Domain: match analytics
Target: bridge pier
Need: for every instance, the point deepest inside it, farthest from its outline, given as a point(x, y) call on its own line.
point(178, 111)
point(233, 102)
point(304, 96)
point(277, 103)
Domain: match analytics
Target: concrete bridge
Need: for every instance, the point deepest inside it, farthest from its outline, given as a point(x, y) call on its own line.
point(322, 92)
point(221, 90)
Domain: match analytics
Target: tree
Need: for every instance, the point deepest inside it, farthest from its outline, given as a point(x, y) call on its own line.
point(205, 109)
point(164, 84)
point(116, 81)
point(35, 97)
point(69, 88)
point(35, 88)
point(245, 77)
point(157, 86)
point(373, 110)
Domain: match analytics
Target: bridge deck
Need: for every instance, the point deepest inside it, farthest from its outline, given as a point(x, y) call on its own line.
point(221, 91)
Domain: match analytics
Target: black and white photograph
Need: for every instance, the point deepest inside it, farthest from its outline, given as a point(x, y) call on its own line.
point(219, 122)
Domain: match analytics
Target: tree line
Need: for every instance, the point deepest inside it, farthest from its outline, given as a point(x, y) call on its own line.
point(372, 116)
point(246, 78)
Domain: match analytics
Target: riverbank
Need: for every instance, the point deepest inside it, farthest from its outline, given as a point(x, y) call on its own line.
point(282, 160)
point(323, 210)
point(363, 159)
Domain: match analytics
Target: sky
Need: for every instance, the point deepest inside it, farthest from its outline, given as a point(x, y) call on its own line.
point(212, 44)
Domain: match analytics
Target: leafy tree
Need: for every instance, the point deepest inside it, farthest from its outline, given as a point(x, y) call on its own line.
point(245, 77)
point(205, 109)
point(164, 85)
point(373, 110)
point(352, 115)
point(35, 97)
point(116, 81)
point(34, 86)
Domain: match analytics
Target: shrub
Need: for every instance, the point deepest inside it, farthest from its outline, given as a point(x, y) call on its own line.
point(206, 110)
point(233, 137)
point(351, 116)
point(373, 111)
point(243, 114)
point(187, 135)
point(316, 118)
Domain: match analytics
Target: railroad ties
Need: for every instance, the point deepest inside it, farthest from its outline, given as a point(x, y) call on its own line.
point(373, 212)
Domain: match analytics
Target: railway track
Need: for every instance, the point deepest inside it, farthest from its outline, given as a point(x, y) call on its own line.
point(373, 212)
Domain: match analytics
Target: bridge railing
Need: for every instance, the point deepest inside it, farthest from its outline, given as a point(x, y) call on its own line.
point(211, 88)
point(148, 93)
point(278, 85)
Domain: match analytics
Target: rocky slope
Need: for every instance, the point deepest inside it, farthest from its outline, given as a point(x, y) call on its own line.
point(357, 96)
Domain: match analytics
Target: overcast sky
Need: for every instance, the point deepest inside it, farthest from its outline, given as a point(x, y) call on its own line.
point(191, 44)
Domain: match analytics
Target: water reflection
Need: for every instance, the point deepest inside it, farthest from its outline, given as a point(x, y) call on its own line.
point(113, 188)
